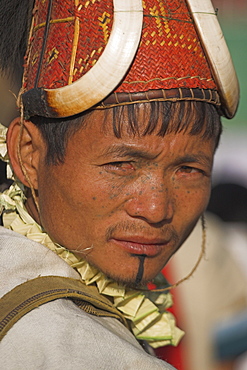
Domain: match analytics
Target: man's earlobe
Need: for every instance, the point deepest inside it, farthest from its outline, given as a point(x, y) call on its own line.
point(24, 143)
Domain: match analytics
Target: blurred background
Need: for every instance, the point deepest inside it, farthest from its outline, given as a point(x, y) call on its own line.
point(231, 159)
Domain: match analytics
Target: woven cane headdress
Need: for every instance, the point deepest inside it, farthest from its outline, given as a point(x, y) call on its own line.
point(100, 53)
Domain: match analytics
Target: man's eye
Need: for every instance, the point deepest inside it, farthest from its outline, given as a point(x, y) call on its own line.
point(190, 170)
point(120, 166)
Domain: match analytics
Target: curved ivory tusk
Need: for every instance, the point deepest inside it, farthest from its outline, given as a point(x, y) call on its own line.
point(219, 58)
point(104, 76)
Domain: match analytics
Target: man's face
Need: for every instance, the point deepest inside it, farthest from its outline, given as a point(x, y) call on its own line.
point(127, 199)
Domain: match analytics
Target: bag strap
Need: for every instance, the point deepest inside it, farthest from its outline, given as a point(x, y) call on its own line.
point(33, 293)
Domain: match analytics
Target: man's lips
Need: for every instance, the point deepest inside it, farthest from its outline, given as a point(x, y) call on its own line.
point(136, 245)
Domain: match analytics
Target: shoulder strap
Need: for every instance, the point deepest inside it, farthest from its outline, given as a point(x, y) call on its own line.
point(33, 293)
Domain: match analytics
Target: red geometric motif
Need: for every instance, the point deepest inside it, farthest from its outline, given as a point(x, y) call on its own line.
point(170, 54)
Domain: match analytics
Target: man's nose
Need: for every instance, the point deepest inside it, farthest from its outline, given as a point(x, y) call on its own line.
point(151, 201)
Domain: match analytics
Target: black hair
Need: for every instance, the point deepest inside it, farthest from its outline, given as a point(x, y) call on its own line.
point(15, 20)
point(196, 118)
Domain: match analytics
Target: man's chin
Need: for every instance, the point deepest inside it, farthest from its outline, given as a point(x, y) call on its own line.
point(135, 276)
point(130, 282)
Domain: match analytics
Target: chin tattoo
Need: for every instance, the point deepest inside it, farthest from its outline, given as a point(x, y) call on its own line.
point(140, 271)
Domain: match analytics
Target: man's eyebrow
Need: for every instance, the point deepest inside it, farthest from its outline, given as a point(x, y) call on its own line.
point(123, 151)
point(195, 158)
point(127, 151)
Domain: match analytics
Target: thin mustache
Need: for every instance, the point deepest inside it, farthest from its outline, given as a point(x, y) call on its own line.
point(134, 229)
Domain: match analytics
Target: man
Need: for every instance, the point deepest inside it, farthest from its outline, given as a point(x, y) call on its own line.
point(114, 146)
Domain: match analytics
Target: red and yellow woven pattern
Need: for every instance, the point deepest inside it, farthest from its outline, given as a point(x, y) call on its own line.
point(170, 55)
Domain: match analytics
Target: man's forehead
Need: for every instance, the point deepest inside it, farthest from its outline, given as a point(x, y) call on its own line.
point(101, 142)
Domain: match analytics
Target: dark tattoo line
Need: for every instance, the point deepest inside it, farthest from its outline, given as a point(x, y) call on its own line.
point(139, 275)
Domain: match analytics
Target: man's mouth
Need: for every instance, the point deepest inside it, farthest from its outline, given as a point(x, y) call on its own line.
point(141, 246)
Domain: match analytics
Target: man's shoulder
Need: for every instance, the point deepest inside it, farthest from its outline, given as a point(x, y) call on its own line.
point(23, 259)
point(60, 335)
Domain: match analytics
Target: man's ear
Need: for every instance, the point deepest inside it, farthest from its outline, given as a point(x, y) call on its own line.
point(25, 148)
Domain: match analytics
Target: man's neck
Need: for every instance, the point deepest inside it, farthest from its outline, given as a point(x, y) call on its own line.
point(31, 207)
